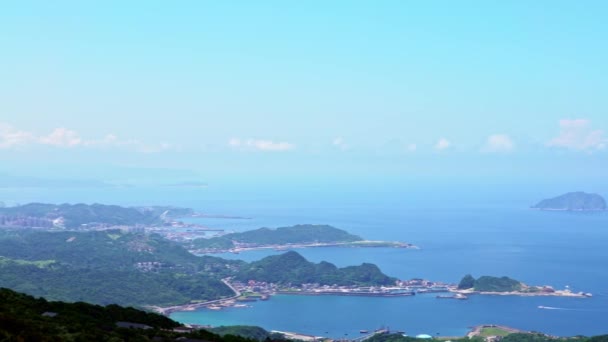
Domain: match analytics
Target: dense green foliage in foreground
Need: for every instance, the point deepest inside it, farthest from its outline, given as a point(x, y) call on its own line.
point(102, 267)
point(305, 233)
point(292, 268)
point(25, 318)
point(490, 284)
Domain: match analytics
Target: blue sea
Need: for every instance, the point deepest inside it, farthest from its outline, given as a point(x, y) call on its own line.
point(460, 230)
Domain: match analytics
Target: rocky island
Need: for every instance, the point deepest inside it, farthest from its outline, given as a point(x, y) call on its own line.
point(573, 201)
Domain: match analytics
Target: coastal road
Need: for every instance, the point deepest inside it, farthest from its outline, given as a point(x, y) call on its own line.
point(170, 309)
point(237, 292)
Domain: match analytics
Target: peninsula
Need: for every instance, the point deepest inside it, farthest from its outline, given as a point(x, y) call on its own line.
point(573, 201)
point(284, 238)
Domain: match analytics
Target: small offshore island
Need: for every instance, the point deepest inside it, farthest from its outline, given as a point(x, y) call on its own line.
point(573, 201)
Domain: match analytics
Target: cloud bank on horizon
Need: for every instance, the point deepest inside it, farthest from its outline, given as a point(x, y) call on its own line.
point(61, 137)
point(574, 134)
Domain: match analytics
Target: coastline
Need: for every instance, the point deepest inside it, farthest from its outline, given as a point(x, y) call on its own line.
point(239, 299)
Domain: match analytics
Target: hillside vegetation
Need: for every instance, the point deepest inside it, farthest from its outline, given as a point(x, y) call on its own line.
point(105, 267)
point(298, 234)
point(25, 318)
point(292, 268)
point(490, 284)
point(113, 267)
point(74, 216)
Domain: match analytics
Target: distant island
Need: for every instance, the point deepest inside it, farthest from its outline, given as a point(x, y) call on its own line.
point(573, 201)
point(298, 236)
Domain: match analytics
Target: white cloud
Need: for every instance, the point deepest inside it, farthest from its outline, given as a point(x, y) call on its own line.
point(260, 145)
point(577, 134)
point(113, 141)
point(61, 137)
point(12, 137)
point(498, 143)
point(234, 142)
point(412, 147)
point(340, 143)
point(442, 144)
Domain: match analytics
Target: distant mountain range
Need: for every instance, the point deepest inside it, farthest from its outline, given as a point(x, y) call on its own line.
point(574, 201)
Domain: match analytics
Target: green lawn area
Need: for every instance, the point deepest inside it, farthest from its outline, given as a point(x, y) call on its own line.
point(485, 332)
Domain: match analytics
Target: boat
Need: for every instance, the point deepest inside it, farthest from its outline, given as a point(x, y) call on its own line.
point(459, 296)
point(444, 297)
point(363, 331)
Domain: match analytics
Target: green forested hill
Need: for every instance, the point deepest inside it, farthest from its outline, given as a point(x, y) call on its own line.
point(109, 267)
point(304, 233)
point(293, 268)
point(490, 284)
point(105, 267)
point(77, 215)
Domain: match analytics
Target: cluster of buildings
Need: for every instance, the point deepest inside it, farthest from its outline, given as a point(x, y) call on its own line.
point(25, 222)
point(401, 288)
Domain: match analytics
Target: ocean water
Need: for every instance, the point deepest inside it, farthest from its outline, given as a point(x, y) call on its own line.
point(459, 230)
point(553, 248)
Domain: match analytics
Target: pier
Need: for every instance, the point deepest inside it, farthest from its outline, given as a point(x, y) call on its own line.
point(365, 337)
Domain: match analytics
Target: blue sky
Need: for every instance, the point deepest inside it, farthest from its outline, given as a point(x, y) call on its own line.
point(504, 90)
